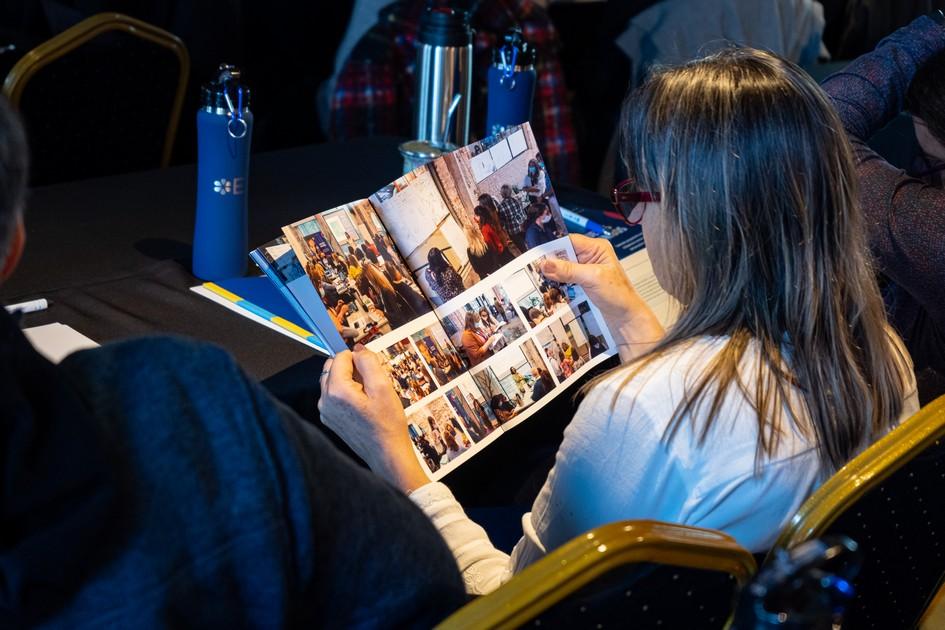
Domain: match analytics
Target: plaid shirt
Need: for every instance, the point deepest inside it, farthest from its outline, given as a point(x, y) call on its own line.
point(375, 89)
point(512, 215)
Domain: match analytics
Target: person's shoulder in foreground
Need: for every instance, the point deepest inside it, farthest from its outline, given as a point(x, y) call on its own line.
point(150, 483)
point(238, 511)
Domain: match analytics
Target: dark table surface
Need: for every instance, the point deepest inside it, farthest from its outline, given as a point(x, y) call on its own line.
point(113, 256)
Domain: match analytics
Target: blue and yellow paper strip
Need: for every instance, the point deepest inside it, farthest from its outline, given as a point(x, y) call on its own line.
point(281, 322)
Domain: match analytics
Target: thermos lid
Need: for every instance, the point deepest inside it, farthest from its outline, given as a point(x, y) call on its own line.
point(443, 26)
point(513, 38)
point(213, 94)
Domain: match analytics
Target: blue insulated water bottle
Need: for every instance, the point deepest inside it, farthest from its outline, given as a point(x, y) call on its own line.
point(511, 83)
point(224, 131)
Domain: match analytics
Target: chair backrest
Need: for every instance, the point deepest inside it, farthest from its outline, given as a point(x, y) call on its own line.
point(102, 97)
point(889, 500)
point(637, 573)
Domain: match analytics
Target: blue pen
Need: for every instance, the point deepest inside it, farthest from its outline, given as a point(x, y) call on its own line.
point(584, 223)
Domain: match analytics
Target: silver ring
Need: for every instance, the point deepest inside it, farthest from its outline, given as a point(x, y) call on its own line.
point(241, 126)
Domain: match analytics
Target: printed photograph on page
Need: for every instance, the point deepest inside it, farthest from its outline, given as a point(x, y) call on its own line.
point(360, 276)
point(464, 216)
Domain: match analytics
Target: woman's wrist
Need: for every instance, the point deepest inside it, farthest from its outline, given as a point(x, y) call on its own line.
point(638, 331)
point(401, 469)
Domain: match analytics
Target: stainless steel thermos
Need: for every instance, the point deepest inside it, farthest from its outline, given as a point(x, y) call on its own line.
point(444, 78)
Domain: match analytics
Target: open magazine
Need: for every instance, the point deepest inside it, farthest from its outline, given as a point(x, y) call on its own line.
point(438, 273)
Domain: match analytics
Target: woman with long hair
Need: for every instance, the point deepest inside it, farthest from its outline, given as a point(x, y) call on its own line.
point(407, 291)
point(353, 268)
point(440, 275)
point(474, 341)
point(481, 256)
point(780, 367)
point(487, 321)
point(490, 228)
point(395, 307)
point(488, 202)
point(543, 383)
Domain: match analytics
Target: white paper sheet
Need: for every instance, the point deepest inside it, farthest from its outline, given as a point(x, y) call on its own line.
point(57, 341)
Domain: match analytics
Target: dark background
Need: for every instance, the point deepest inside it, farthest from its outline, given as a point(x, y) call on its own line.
point(286, 49)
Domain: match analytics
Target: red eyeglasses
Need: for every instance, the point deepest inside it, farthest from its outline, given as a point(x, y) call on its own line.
point(631, 202)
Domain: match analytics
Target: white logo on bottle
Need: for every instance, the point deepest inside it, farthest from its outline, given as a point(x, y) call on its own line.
point(227, 187)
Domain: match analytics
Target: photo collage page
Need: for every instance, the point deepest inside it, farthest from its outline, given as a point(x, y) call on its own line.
point(439, 273)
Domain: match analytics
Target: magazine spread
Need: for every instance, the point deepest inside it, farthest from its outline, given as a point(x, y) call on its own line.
point(438, 273)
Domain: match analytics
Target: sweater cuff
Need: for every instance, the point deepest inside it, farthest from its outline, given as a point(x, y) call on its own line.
point(427, 496)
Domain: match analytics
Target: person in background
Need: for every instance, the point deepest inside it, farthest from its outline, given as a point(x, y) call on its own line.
point(542, 383)
point(553, 362)
point(534, 182)
point(487, 322)
point(354, 268)
point(380, 245)
point(536, 316)
point(518, 379)
point(567, 364)
point(539, 227)
point(492, 208)
point(557, 298)
point(371, 91)
point(405, 288)
point(151, 482)
point(665, 33)
point(441, 276)
point(905, 214)
point(473, 341)
point(395, 307)
point(512, 217)
point(498, 310)
point(481, 255)
point(540, 161)
point(490, 232)
point(315, 270)
point(503, 408)
point(482, 414)
point(779, 369)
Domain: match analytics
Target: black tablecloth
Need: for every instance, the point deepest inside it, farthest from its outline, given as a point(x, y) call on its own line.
point(113, 256)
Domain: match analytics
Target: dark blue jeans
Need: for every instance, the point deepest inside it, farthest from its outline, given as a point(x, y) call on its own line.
point(236, 513)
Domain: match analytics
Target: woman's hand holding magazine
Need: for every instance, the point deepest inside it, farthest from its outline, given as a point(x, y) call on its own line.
point(636, 329)
point(359, 404)
point(358, 401)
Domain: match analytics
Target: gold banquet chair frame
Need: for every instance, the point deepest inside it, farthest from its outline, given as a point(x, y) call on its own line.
point(75, 36)
point(864, 473)
point(591, 555)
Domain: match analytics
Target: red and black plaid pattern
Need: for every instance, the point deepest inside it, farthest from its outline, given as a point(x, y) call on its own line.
point(375, 89)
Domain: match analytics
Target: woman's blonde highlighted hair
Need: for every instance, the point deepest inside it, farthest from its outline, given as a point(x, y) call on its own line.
point(767, 249)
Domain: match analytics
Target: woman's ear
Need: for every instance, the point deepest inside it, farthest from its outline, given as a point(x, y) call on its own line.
point(14, 251)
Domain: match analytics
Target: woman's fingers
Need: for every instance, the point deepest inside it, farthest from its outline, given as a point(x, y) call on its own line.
point(341, 383)
point(592, 250)
point(374, 378)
